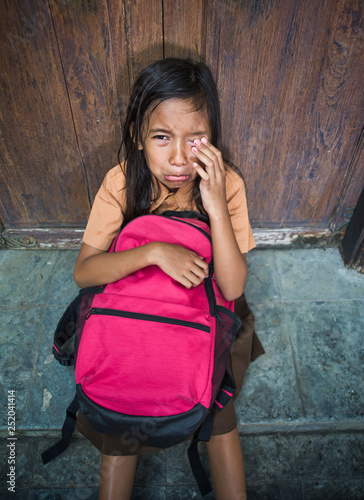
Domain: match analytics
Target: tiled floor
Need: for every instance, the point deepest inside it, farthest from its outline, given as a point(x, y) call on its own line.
point(300, 413)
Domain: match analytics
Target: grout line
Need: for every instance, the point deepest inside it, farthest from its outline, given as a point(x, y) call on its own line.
point(301, 428)
point(318, 301)
point(252, 429)
point(250, 302)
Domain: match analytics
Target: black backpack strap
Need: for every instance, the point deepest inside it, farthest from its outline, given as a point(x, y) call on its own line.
point(224, 395)
point(203, 434)
point(62, 356)
point(186, 214)
point(67, 431)
point(226, 391)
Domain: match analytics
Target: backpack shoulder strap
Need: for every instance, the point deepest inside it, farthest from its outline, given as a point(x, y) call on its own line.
point(186, 214)
point(203, 434)
point(224, 395)
point(67, 431)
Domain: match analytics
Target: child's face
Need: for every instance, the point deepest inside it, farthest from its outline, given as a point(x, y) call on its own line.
point(168, 141)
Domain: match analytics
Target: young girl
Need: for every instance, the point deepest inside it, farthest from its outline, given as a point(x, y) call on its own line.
point(172, 161)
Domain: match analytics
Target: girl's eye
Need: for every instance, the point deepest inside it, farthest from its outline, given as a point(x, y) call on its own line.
point(160, 137)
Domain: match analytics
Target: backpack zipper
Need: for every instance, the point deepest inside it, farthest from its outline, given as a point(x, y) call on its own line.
point(147, 317)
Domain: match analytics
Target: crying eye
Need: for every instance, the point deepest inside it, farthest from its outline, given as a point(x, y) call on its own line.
point(160, 137)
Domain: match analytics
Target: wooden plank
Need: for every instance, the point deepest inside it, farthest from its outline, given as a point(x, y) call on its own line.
point(41, 173)
point(252, 48)
point(269, 59)
point(136, 32)
point(119, 41)
point(83, 36)
point(350, 190)
point(41, 238)
point(334, 118)
point(184, 28)
point(144, 30)
point(70, 238)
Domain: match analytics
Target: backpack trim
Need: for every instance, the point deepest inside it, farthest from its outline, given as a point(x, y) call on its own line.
point(159, 432)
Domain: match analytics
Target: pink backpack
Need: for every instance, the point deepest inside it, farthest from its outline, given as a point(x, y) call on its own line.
point(150, 355)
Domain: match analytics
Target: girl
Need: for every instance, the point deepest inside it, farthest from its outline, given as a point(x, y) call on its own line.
point(171, 142)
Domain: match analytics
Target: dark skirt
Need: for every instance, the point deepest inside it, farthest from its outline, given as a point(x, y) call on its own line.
point(245, 349)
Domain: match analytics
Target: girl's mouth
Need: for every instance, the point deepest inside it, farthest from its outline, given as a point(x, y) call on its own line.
point(177, 178)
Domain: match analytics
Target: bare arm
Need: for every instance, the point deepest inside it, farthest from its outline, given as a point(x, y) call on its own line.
point(229, 263)
point(97, 267)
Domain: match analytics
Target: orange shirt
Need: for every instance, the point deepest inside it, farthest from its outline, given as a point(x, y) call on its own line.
point(107, 217)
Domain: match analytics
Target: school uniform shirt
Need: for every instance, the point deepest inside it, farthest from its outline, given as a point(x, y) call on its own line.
point(107, 211)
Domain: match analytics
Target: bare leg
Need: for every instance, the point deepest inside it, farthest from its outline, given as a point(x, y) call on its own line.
point(117, 477)
point(227, 466)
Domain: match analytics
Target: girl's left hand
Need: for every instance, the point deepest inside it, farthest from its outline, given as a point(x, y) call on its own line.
point(212, 184)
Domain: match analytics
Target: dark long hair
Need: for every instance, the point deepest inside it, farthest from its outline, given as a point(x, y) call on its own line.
point(170, 78)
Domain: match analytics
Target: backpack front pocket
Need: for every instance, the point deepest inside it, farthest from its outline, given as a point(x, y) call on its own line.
point(143, 363)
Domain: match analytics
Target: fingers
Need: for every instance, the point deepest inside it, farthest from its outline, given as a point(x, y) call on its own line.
point(181, 264)
point(210, 156)
point(198, 272)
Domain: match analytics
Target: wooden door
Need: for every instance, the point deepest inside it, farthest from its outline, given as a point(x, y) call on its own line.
point(289, 74)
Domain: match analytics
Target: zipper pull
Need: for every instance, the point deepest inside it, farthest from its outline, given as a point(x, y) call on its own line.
point(219, 320)
point(89, 314)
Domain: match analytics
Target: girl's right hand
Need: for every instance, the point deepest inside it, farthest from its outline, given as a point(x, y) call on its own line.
point(181, 264)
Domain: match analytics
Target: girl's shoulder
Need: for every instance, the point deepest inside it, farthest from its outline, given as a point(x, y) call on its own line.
point(234, 179)
point(114, 179)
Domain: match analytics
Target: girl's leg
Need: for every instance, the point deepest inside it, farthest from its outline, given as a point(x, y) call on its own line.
point(117, 477)
point(227, 466)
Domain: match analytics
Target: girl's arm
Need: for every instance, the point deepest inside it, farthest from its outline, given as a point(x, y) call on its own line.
point(98, 267)
point(229, 263)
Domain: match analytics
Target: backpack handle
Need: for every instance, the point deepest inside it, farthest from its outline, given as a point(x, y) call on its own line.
point(187, 214)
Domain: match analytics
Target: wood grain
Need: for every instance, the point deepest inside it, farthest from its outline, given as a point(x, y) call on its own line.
point(83, 38)
point(351, 187)
point(289, 75)
point(283, 131)
point(41, 176)
point(334, 120)
point(144, 22)
point(119, 40)
point(184, 28)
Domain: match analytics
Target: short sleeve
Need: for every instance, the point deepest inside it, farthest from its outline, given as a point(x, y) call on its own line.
point(238, 210)
point(106, 215)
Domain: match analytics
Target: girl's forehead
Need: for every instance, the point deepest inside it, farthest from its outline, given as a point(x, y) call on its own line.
point(179, 114)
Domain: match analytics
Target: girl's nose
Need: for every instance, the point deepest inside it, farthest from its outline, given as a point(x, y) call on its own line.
point(178, 154)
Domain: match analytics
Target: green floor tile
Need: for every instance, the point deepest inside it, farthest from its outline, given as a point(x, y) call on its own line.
point(25, 276)
point(317, 274)
point(53, 386)
point(63, 289)
point(330, 456)
point(19, 336)
point(262, 284)
point(327, 341)
point(270, 392)
point(77, 467)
